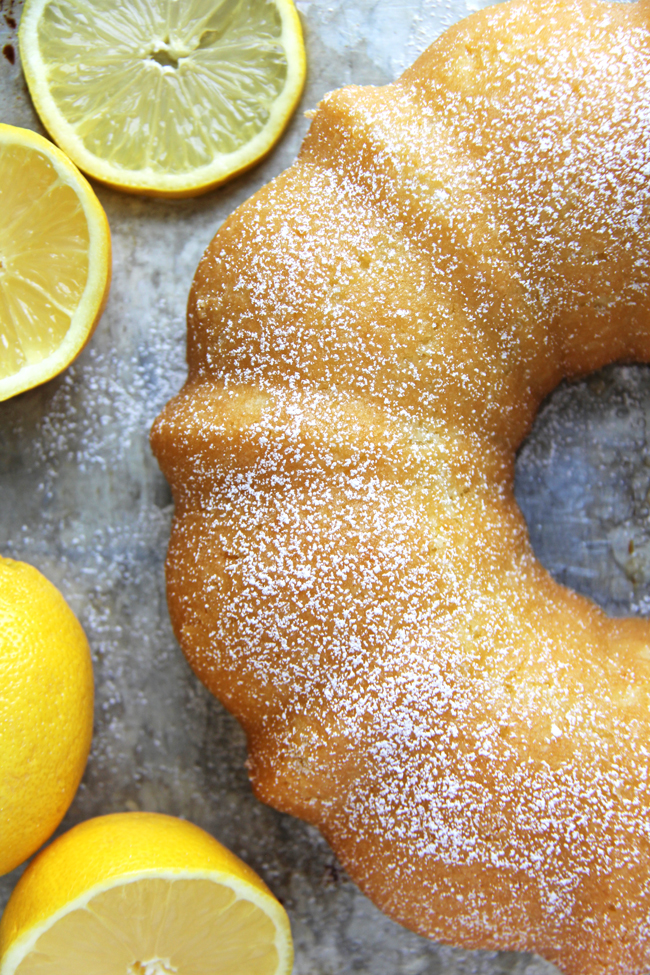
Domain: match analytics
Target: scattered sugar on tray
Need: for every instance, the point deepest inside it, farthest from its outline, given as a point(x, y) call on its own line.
point(99, 551)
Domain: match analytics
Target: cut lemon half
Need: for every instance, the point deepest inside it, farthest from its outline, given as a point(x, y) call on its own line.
point(163, 97)
point(142, 894)
point(55, 260)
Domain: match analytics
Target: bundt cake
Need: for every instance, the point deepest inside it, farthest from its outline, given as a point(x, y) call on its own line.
point(369, 338)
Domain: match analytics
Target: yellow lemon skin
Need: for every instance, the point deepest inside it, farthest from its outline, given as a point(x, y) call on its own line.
point(46, 709)
point(100, 854)
point(55, 260)
point(131, 120)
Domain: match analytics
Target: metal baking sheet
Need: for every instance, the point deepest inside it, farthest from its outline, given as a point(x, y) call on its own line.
point(82, 498)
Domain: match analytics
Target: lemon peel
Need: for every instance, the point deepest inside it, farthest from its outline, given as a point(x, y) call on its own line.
point(163, 99)
point(46, 709)
point(143, 894)
point(55, 260)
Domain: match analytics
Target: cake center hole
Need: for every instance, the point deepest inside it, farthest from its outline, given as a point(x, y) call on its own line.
point(582, 481)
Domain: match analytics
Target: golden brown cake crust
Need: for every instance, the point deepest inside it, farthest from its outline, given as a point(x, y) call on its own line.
point(369, 338)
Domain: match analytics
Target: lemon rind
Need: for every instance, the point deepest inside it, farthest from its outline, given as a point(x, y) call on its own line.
point(149, 181)
point(95, 293)
point(17, 952)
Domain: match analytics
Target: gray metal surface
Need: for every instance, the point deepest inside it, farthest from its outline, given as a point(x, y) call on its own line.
point(82, 499)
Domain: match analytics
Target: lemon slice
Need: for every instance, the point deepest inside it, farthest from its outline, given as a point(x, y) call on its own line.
point(142, 894)
point(55, 260)
point(163, 97)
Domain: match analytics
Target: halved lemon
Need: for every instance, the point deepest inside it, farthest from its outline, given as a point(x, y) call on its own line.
point(142, 894)
point(163, 97)
point(55, 260)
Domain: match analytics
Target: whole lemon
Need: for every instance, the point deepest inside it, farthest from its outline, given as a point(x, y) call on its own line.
point(46, 709)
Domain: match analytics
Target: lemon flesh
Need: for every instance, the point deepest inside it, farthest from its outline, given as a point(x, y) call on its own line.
point(54, 260)
point(159, 926)
point(142, 894)
point(167, 98)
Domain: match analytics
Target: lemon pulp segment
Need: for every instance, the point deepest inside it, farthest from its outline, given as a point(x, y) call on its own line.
point(163, 95)
point(159, 926)
point(54, 260)
point(43, 257)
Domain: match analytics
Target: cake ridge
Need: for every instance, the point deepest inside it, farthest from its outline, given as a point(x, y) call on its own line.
point(348, 568)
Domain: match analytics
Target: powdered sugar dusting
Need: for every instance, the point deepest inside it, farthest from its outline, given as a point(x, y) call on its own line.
point(369, 339)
